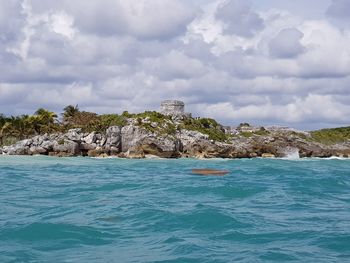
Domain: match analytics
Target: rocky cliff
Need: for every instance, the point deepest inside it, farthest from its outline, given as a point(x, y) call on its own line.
point(137, 140)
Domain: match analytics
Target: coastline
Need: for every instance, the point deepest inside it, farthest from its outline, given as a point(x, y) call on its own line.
point(179, 137)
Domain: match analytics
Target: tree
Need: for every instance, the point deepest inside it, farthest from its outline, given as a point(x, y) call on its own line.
point(19, 127)
point(3, 120)
point(47, 117)
point(43, 120)
point(3, 130)
point(69, 112)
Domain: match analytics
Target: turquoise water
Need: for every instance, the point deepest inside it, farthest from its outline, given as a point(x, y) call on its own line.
point(114, 210)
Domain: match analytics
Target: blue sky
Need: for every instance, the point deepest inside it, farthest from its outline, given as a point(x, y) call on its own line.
point(261, 61)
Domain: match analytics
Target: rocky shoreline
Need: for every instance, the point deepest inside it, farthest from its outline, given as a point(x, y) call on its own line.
point(133, 141)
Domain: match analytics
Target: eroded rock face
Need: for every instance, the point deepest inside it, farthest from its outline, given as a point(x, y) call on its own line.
point(37, 150)
point(113, 139)
point(131, 135)
point(15, 150)
point(68, 148)
point(162, 147)
point(190, 137)
point(90, 139)
point(132, 141)
point(74, 135)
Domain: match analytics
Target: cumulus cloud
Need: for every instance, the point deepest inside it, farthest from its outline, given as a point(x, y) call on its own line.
point(239, 18)
point(287, 44)
point(140, 18)
point(339, 9)
point(225, 59)
point(174, 65)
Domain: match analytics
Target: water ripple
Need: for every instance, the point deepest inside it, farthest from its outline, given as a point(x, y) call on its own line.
point(114, 210)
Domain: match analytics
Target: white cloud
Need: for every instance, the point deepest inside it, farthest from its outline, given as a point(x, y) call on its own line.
point(62, 23)
point(174, 65)
point(228, 60)
point(239, 18)
point(287, 44)
point(339, 9)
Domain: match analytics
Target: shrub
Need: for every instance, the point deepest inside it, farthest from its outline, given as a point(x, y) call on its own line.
point(331, 136)
point(206, 126)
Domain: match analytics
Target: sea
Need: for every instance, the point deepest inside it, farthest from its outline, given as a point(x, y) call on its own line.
point(156, 210)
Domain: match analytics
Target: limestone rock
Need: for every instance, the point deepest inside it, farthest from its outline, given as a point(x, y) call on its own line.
point(97, 153)
point(74, 135)
point(189, 137)
point(161, 147)
point(268, 155)
point(131, 135)
point(34, 150)
point(135, 153)
point(16, 150)
point(113, 140)
point(48, 145)
point(90, 139)
point(68, 148)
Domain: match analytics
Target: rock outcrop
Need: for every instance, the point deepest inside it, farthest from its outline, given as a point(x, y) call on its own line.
point(133, 141)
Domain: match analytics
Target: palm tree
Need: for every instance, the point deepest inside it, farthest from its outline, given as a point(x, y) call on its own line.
point(18, 126)
point(43, 120)
point(3, 120)
point(69, 112)
point(46, 116)
point(3, 130)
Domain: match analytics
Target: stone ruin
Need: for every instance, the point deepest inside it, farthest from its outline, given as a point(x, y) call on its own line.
point(173, 108)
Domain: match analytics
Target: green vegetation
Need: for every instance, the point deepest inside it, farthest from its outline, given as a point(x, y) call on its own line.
point(261, 132)
point(43, 121)
point(246, 134)
point(331, 136)
point(69, 112)
point(206, 126)
point(16, 128)
point(152, 116)
point(20, 127)
point(90, 121)
point(153, 121)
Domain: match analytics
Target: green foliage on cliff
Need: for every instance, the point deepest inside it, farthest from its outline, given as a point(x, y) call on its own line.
point(331, 136)
point(20, 127)
point(246, 134)
point(107, 120)
point(44, 121)
point(262, 132)
point(154, 122)
point(16, 128)
point(152, 116)
point(206, 126)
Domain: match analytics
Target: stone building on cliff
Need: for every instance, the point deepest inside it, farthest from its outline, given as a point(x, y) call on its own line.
point(174, 108)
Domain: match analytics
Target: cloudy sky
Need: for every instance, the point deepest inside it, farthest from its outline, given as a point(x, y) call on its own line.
point(260, 61)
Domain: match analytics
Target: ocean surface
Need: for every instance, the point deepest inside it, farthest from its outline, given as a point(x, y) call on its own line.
point(115, 210)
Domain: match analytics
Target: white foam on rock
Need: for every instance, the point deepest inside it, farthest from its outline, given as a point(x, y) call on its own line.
point(292, 154)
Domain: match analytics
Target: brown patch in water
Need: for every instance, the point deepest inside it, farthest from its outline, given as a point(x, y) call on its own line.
point(210, 172)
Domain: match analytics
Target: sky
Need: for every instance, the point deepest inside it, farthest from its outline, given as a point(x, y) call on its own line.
point(266, 62)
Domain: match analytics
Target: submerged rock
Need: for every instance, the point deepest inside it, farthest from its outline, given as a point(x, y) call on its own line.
point(268, 155)
point(210, 172)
